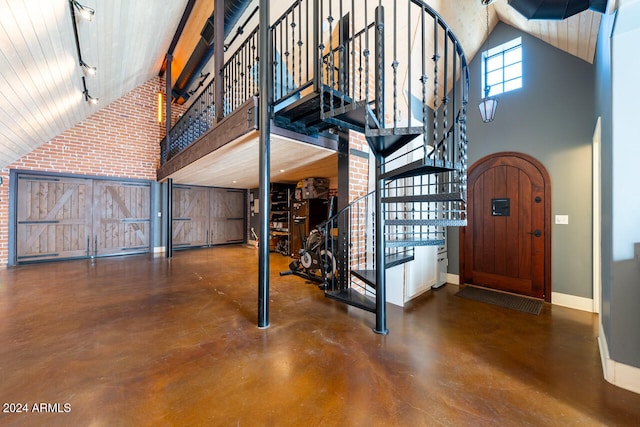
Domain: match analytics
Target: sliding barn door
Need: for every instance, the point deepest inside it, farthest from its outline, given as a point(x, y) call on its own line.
point(53, 218)
point(65, 217)
point(190, 216)
point(227, 216)
point(122, 222)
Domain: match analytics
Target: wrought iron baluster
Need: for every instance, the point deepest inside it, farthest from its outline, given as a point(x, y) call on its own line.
point(285, 65)
point(454, 107)
point(365, 54)
point(379, 78)
point(435, 58)
point(341, 56)
point(352, 82)
point(300, 44)
point(332, 71)
point(394, 65)
point(445, 99)
point(423, 81)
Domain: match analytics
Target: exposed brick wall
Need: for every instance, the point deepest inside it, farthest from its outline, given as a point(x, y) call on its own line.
point(358, 187)
point(120, 140)
point(358, 167)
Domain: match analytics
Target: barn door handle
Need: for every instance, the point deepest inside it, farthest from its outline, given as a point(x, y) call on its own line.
point(536, 233)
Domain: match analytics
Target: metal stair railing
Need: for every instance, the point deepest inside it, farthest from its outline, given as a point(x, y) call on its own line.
point(349, 241)
point(417, 211)
point(292, 41)
point(404, 60)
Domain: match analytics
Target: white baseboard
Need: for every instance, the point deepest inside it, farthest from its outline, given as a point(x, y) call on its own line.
point(454, 279)
point(572, 301)
point(618, 374)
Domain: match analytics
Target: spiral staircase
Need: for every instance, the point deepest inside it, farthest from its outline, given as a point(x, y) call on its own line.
point(420, 160)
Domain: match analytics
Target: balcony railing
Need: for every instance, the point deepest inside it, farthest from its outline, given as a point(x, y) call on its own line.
point(198, 119)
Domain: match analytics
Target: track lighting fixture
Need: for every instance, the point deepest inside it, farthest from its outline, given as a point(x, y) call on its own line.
point(85, 12)
point(90, 99)
point(87, 69)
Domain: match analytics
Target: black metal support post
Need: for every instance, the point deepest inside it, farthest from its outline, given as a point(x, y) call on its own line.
point(168, 250)
point(343, 202)
point(381, 272)
point(265, 163)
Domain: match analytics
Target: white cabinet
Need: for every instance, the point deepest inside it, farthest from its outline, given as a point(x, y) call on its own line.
point(407, 281)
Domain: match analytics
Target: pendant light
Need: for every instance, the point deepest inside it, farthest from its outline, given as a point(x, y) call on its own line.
point(487, 105)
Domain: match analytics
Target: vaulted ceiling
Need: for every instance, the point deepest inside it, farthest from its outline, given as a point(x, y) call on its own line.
point(41, 84)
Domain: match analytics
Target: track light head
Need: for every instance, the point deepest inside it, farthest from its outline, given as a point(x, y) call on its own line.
point(87, 69)
point(91, 100)
point(84, 11)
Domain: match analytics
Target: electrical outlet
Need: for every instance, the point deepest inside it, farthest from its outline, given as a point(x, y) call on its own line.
point(562, 219)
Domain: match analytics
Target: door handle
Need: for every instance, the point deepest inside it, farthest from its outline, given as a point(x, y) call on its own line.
point(536, 233)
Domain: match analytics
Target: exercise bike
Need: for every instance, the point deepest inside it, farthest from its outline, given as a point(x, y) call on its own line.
point(316, 261)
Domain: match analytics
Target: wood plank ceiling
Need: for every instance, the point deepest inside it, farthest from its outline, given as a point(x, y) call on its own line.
point(41, 82)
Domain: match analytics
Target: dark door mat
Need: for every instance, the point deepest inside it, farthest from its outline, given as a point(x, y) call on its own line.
point(514, 302)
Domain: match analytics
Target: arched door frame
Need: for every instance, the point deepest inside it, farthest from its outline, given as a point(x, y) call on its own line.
point(547, 215)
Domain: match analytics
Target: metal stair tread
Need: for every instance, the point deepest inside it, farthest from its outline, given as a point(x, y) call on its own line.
point(421, 167)
point(423, 198)
point(354, 116)
point(413, 242)
point(354, 298)
point(368, 276)
point(427, 222)
point(397, 259)
point(388, 140)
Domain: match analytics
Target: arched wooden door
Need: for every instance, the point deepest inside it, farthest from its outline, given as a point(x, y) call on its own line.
point(506, 244)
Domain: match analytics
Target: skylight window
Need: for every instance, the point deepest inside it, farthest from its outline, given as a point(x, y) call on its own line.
point(503, 70)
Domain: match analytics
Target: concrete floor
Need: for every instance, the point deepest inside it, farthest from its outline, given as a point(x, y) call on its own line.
point(143, 341)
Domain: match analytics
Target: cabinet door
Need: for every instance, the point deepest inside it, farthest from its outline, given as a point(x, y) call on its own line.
point(190, 216)
point(422, 273)
point(227, 216)
point(122, 220)
point(53, 217)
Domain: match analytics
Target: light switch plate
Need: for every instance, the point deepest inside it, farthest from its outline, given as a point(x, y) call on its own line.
point(562, 219)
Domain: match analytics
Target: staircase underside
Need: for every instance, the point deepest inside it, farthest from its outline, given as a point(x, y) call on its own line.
point(304, 114)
